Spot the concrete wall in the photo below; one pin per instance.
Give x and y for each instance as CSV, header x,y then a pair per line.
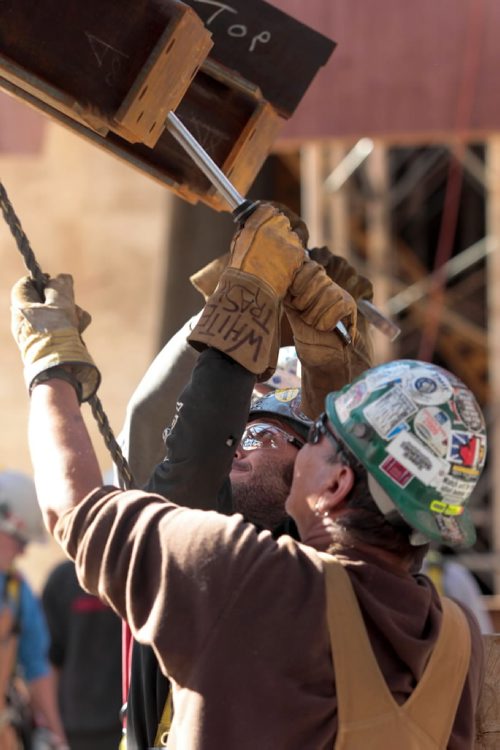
x,y
87,214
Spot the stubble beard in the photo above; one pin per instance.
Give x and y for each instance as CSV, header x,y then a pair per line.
x,y
261,498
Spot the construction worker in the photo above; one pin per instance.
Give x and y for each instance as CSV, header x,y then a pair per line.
x,y
234,615
152,406
202,460
85,651
452,578
24,638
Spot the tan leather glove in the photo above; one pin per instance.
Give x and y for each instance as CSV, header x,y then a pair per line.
x,y
205,280
341,271
48,333
321,302
241,318
327,362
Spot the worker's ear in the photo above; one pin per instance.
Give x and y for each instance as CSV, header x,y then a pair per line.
x,y
340,484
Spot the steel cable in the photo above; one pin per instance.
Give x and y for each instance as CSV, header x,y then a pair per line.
x,y
40,279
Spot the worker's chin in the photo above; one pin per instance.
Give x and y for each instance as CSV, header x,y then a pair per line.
x,y
240,478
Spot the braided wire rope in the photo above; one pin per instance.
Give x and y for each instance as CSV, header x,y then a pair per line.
x,y
40,280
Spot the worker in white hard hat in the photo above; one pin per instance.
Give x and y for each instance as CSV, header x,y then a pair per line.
x,y
23,633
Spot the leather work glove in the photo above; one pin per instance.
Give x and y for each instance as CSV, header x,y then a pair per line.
x,y
241,318
321,302
48,333
328,363
343,273
205,280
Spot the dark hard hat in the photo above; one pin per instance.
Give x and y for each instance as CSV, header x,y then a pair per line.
x,y
284,405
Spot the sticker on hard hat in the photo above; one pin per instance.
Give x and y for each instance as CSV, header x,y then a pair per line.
x,y
414,456
446,509
428,389
350,400
380,378
388,411
433,427
468,410
402,426
448,528
286,395
395,471
467,450
453,488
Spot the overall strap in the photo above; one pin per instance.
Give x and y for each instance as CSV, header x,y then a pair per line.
x,y
435,700
362,692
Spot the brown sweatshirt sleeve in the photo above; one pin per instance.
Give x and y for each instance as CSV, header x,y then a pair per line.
x,y
170,572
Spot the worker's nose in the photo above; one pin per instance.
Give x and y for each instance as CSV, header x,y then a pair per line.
x,y
239,452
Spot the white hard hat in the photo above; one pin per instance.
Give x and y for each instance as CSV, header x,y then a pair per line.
x,y
20,514
287,373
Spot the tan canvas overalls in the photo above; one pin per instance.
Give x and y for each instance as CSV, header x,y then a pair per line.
x,y
369,717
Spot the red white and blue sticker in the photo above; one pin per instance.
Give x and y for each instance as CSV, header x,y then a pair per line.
x,y
433,427
467,452
388,412
350,400
427,387
411,453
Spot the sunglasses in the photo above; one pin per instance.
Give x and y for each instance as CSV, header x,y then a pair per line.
x,y
319,428
265,435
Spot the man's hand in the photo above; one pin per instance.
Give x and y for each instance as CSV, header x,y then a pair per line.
x,y
48,333
345,275
205,280
320,301
327,362
241,318
268,248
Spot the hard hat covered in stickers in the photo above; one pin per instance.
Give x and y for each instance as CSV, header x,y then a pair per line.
x,y
20,515
283,404
420,434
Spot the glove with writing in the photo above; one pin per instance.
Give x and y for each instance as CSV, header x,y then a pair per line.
x,y
48,333
241,317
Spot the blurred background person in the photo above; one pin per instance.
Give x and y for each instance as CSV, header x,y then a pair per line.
x,y
453,579
85,651
28,703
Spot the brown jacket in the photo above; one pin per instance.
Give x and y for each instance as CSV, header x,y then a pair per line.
x,y
238,620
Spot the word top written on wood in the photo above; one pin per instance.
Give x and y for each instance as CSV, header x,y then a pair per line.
x,y
265,46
